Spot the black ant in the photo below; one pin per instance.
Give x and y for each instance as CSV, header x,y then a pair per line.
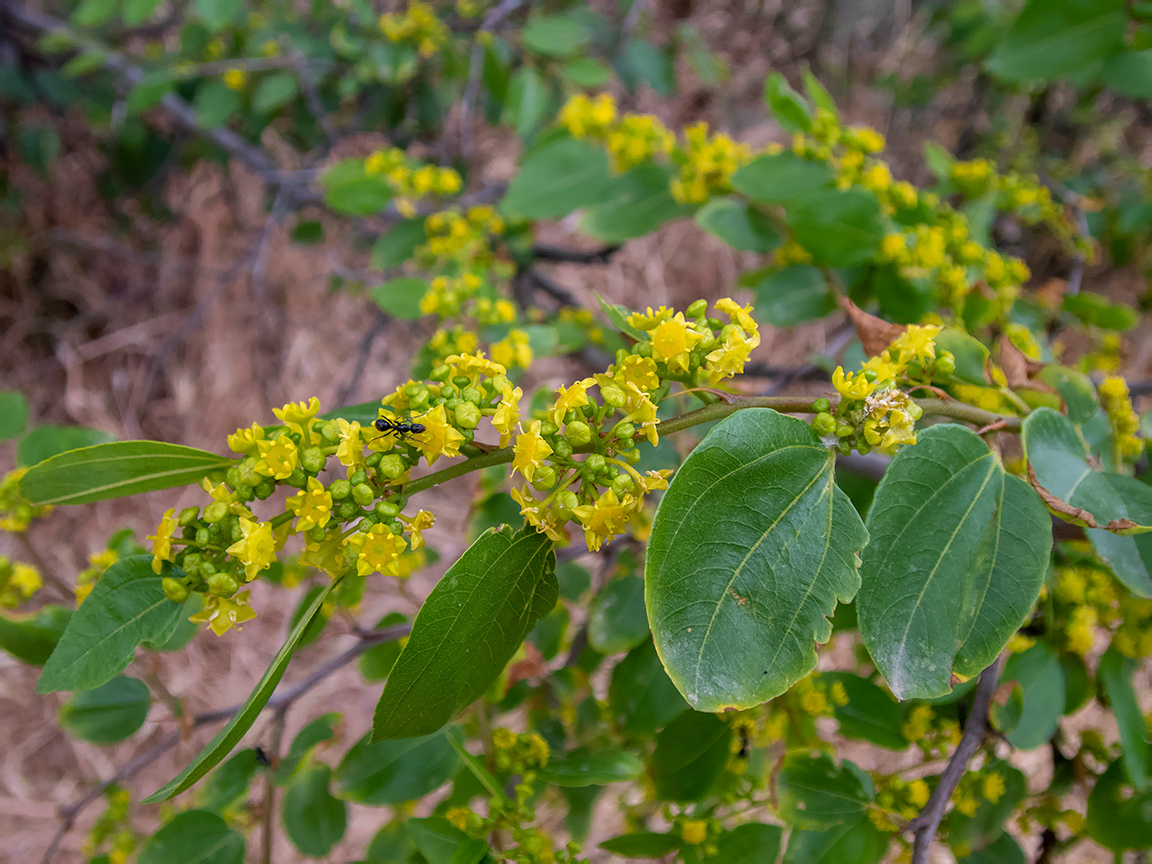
x,y
398,428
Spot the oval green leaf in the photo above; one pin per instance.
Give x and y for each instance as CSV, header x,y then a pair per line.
x,y
841,228
392,772
13,414
116,470
556,179
401,297
616,619
313,820
126,608
739,225
691,753
643,844
32,639
815,793
587,767
241,722
1115,675
641,696
1041,680
752,546
195,837
44,442
109,713
634,204
781,178
958,553
467,630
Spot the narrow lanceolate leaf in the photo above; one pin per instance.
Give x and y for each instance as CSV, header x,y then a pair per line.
x,y
125,609
115,470
1115,674
752,546
230,735
467,631
957,557
1121,505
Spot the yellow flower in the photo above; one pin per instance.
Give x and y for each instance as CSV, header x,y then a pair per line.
x,y
916,343
856,387
350,452
235,78
539,515
224,613
438,439
278,457
297,416
513,350
474,366
531,451
422,521
325,555
729,358
648,320
507,413
885,369
245,440
162,540
639,371
256,549
814,702
569,398
312,506
672,340
993,786
23,581
918,793
738,314
378,550
838,694
694,831
642,412
605,519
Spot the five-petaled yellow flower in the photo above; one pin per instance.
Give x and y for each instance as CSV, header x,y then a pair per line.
x,y
672,340
297,416
855,387
531,451
224,613
438,438
422,521
162,540
278,457
312,506
378,550
729,358
605,519
568,398
507,413
256,549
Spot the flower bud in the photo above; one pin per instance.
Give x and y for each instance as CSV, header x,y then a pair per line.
x,y
625,431
461,381
340,489
467,415
843,430
697,309
945,366
642,349
222,584
174,590
562,448
613,395
297,479
870,376
471,394
824,423
440,373
548,428
215,511
578,433
265,489
202,537
330,430
544,478
362,494
822,406
316,534
631,456
595,463
347,510
358,476
386,509
623,484
187,516
313,460
391,466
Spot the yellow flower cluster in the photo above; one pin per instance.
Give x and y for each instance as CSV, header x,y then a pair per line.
x,y
488,311
1117,403
462,238
933,735
418,27
631,139
513,351
18,582
411,183
897,800
1091,601
235,79
518,753
582,318
16,513
709,161
975,788
453,340
446,295
819,698
588,118
1022,194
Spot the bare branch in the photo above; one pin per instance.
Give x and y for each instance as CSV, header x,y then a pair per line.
x,y
492,21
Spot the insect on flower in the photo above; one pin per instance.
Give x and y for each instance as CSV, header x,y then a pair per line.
x,y
398,428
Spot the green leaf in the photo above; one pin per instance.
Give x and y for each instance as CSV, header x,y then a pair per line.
x,y
858,842
799,292
556,179
1041,680
641,696
44,442
752,545
148,92
1058,38
217,14
970,354
1003,850
1115,676
527,100
13,414
788,106
751,843
617,621
319,731
819,94
587,72
870,713
1058,456
1075,389
815,793
643,844
215,103
117,470
93,13
839,228
390,844
313,820
781,178
618,316
229,783
242,721
966,833
588,767
110,713
32,639
441,842
634,204
349,189
1118,815
1130,73
194,837
401,297
136,12
691,754
392,772
125,609
1095,311
467,630
555,36
274,92
958,553
377,662
739,225
641,62
398,244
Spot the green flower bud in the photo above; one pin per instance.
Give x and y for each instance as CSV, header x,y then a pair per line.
x,y
870,376
625,431
330,430
697,309
249,476
821,406
386,509
173,590
595,463
222,584
313,460
715,324
440,373
235,531
362,494
843,430
244,492
202,537
372,459
316,534
863,447
544,478
945,366
467,415
623,484
566,501
471,394
297,479
414,389
264,490
844,446
631,456
613,395
548,428
642,349
915,370
397,527
187,516
461,381
578,433
232,477
824,423
915,411
347,510
215,511
469,435
340,489
358,476
562,448
391,466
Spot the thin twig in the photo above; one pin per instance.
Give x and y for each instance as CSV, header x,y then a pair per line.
x,y
366,640
348,388
260,259
495,17
269,814
312,97
924,826
66,591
